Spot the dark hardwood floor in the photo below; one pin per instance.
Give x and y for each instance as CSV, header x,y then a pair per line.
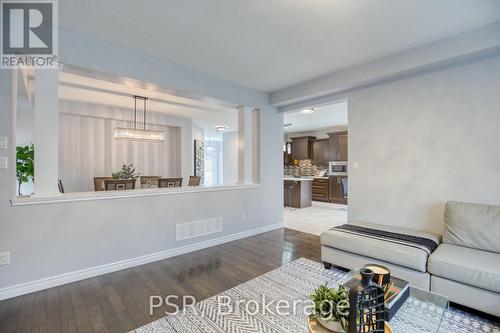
x,y
119,302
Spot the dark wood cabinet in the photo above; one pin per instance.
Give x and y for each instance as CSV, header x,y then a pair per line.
x,y
297,193
338,146
287,153
321,189
320,151
302,147
342,147
337,194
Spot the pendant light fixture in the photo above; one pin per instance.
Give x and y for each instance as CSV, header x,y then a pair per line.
x,y
138,134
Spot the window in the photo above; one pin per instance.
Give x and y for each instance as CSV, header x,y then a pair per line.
x,y
213,162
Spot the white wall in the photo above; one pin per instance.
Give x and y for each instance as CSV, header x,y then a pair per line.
x,y
48,240
230,158
423,141
87,148
24,127
198,133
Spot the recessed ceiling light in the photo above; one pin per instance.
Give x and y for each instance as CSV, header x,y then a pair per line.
x,y
221,128
307,111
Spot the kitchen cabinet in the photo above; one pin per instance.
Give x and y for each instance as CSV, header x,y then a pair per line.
x,y
297,193
338,146
337,194
321,189
302,147
320,151
287,153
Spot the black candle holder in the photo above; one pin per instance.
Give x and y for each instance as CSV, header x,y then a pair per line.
x,y
381,274
366,305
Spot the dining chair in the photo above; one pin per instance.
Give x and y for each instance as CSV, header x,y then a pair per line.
x,y
149,181
170,182
194,181
99,183
119,184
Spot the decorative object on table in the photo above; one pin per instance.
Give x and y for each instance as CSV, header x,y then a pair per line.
x,y
396,291
381,274
395,294
366,305
199,159
137,134
315,327
331,307
169,182
25,167
127,172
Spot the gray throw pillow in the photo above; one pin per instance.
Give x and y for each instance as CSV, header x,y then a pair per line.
x,y
472,225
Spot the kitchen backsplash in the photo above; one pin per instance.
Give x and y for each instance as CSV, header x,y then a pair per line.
x,y
303,169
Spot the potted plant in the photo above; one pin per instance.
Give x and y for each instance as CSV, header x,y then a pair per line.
x,y
25,167
331,307
127,172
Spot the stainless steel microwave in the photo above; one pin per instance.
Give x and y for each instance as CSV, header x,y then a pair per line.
x,y
337,168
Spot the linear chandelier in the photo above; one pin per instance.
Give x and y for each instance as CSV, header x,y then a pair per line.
x,y
137,134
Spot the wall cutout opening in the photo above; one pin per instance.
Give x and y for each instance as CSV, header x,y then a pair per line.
x,y
199,143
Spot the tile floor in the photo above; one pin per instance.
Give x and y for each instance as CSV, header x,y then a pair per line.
x,y
316,219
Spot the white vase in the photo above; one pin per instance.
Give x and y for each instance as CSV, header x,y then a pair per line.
x,y
331,325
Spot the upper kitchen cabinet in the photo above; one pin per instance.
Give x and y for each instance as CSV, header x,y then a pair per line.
x,y
338,146
320,151
287,153
302,147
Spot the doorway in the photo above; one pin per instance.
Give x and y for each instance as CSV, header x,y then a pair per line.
x,y
316,178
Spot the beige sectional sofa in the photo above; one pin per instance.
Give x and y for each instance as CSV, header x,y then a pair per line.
x,y
465,267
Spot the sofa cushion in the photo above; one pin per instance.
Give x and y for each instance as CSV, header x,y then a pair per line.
x,y
399,254
472,225
469,266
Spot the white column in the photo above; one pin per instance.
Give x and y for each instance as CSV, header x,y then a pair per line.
x,y
8,96
187,151
245,145
256,146
46,124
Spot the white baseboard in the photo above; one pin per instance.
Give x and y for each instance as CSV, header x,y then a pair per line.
x,y
57,280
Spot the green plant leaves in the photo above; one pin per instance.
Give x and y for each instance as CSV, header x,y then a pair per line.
x,y
127,172
331,304
25,164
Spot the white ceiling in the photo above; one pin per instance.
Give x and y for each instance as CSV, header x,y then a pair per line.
x,y
323,117
269,45
81,88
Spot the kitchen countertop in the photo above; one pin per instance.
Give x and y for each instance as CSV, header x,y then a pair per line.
x,y
305,178
298,179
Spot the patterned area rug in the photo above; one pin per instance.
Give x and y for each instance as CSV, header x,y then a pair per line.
x,y
296,281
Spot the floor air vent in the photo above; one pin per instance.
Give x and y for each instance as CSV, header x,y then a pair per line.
x,y
198,228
